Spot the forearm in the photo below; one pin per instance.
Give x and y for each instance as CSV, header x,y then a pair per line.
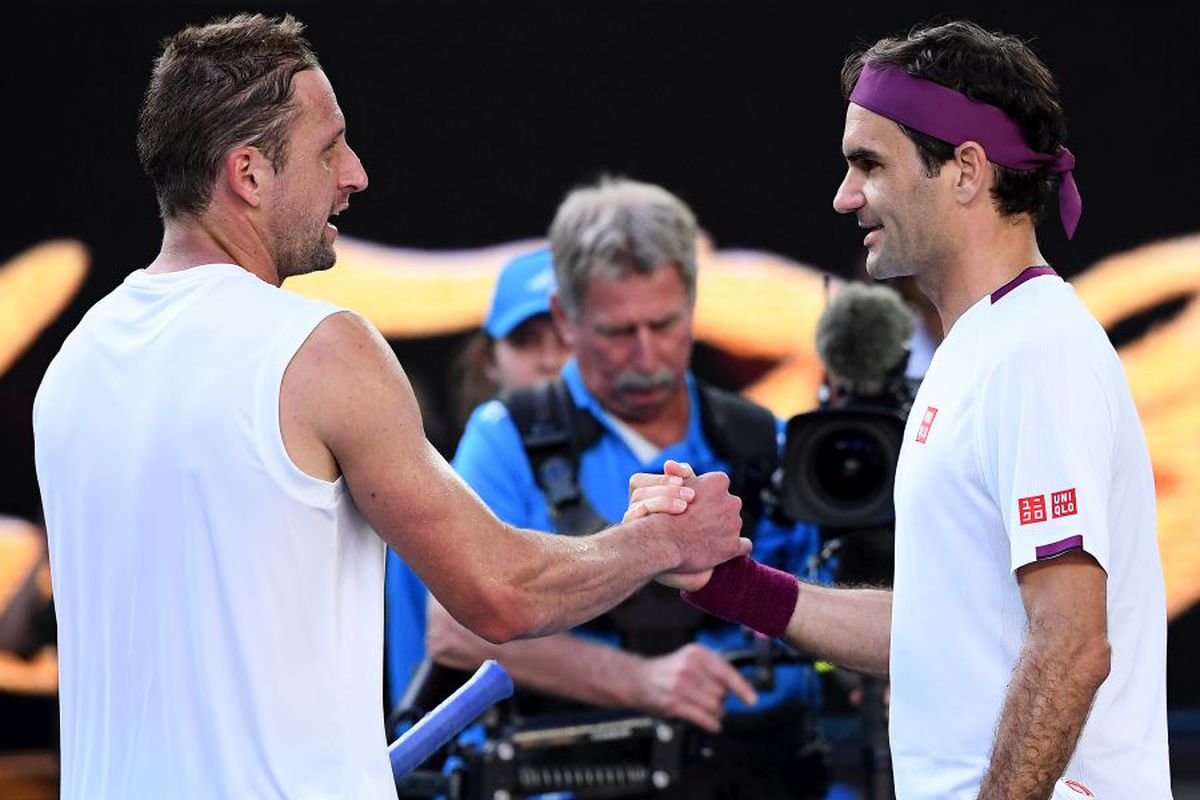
x,y
562,581
1044,711
561,664
848,627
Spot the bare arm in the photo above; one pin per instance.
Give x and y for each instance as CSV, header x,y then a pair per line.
x,y
848,627
691,683
345,399
1063,662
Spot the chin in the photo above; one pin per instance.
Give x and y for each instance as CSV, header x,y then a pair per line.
x,y
882,269
317,261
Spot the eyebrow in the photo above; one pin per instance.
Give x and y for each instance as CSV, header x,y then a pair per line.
x,y
859,154
341,132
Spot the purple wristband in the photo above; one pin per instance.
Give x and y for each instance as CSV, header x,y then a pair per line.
x,y
744,591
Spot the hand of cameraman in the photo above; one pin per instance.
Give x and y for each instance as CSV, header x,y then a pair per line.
x,y
662,493
690,684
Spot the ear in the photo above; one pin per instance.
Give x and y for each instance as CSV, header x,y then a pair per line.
x,y
974,172
562,323
246,173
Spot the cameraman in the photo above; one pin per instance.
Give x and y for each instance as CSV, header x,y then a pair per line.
x,y
624,255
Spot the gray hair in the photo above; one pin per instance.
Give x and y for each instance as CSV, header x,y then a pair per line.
x,y
863,335
619,226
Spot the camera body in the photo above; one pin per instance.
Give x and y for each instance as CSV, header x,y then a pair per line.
x,y
839,466
839,463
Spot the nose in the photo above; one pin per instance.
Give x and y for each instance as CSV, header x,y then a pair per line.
x,y
354,177
849,196
644,357
548,358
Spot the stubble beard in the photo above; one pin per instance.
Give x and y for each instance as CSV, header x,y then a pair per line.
x,y
300,257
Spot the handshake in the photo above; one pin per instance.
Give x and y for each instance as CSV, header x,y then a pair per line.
x,y
706,511
715,573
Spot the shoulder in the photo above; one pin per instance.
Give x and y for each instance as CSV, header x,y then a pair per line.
x,y
1046,334
341,341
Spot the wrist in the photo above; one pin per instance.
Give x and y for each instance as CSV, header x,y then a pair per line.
x,y
743,591
656,547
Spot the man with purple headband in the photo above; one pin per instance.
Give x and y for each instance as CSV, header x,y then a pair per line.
x,y
1025,636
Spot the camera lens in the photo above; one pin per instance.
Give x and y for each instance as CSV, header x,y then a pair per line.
x,y
850,465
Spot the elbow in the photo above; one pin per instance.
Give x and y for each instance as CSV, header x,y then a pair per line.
x,y
450,644
507,614
1095,661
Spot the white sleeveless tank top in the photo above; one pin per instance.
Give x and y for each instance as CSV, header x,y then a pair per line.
x,y
220,611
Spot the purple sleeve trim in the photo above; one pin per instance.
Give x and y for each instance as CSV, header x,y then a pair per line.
x,y
1058,548
748,593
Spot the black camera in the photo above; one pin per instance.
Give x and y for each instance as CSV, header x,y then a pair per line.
x,y
839,465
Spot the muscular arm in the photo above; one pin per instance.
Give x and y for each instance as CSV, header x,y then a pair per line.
x,y
1064,660
346,406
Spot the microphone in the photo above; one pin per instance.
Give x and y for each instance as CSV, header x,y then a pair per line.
x,y
863,338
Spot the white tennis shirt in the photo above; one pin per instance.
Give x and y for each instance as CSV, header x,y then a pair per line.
x,y
1023,443
220,612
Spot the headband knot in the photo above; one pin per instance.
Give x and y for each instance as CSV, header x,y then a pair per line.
x,y
952,117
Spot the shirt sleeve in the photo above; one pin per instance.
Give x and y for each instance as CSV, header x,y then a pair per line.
x,y
1046,445
491,459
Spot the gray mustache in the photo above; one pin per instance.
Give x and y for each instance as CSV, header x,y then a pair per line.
x,y
644,381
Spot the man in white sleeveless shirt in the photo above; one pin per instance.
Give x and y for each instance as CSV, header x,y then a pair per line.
x,y
1025,635
221,463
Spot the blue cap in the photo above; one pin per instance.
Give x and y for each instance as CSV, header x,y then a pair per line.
x,y
522,291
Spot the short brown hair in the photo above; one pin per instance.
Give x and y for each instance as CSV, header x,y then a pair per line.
x,y
991,68
215,87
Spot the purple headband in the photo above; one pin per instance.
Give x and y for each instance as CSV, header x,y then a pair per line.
x,y
945,114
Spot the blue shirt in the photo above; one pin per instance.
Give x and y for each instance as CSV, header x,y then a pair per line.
x,y
404,625
492,460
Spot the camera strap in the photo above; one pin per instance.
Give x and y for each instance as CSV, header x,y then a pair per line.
x,y
555,434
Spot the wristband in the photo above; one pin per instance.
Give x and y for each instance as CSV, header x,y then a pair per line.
x,y
746,592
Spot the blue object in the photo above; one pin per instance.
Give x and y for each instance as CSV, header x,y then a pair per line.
x,y
405,599
492,460
522,290
490,684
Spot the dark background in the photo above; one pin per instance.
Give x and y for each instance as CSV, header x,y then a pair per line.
x,y
474,118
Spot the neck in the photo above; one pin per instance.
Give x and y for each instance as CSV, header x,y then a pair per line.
x,y
987,258
212,238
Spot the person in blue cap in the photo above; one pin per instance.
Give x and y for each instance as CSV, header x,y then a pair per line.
x,y
518,346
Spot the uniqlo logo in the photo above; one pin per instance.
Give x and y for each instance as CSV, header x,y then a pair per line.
x,y
1062,504
1033,509
926,424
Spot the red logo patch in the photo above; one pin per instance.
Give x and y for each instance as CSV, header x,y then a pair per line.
x,y
1033,509
1078,788
926,424
1062,504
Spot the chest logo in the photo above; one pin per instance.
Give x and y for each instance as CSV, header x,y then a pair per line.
x,y
1032,509
1062,504
926,424
1078,788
